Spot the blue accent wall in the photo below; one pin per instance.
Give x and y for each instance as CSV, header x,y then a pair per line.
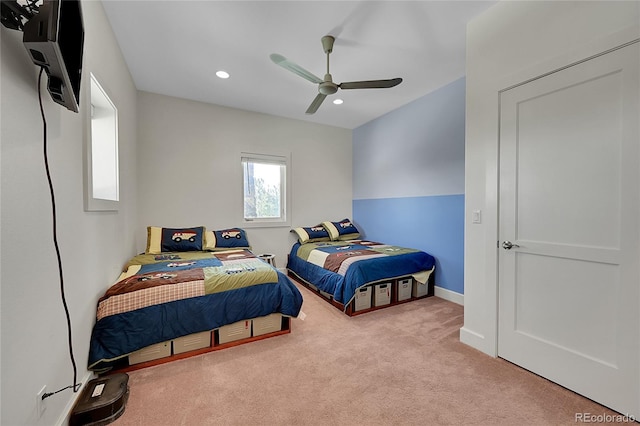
x,y
408,179
432,224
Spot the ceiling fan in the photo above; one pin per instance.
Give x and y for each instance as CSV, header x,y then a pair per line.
x,y
327,86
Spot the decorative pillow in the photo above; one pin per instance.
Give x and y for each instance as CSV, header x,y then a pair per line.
x,y
174,239
343,230
234,238
312,234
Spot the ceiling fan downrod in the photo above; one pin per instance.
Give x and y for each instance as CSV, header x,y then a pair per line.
x,y
327,87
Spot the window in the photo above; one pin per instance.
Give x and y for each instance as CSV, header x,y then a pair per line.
x,y
264,188
102,181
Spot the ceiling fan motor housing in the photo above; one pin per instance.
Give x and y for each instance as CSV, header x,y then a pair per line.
x,y
327,87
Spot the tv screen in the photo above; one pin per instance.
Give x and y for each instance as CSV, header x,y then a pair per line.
x,y
54,38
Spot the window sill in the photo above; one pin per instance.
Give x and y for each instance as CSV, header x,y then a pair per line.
x,y
263,224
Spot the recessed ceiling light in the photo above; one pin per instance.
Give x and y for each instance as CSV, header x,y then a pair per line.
x,y
338,101
222,74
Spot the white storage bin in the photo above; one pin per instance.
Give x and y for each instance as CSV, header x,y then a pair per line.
x,y
419,289
268,324
382,294
325,294
159,350
192,342
404,288
362,299
236,331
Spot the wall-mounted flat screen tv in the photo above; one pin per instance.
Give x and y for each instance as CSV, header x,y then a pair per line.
x,y
54,38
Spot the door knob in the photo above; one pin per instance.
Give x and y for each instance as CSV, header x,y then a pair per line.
x,y
508,245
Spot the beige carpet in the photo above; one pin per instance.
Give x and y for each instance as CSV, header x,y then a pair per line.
x,y
399,366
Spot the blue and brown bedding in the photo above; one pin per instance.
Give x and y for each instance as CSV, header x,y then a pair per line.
x,y
341,267
168,295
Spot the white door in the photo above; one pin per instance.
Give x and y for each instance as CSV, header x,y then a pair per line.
x,y
569,205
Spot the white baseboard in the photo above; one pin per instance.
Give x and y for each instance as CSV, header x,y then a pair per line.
x,y
449,295
477,341
64,417
470,337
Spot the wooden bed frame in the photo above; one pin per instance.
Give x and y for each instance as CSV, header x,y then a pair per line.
x,y
350,309
122,365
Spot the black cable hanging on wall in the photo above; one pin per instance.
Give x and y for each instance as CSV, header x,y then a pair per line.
x,y
75,385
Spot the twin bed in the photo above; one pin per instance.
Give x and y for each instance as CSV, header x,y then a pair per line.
x,y
195,291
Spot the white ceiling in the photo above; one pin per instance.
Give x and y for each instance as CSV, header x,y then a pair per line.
x,y
175,47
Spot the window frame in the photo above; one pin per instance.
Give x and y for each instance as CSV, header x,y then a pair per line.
x,y
95,93
283,160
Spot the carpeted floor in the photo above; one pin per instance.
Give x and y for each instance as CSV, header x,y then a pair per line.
x,y
403,365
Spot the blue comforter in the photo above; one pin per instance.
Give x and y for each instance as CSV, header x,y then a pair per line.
x,y
341,267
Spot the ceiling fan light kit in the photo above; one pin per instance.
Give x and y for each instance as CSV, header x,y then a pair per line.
x,y
326,86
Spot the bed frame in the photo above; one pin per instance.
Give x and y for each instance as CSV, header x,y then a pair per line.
x,y
123,364
350,309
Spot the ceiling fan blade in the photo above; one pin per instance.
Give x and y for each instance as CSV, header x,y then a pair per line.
x,y
371,84
315,104
294,68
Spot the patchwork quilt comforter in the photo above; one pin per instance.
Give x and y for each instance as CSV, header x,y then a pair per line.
x,y
341,267
162,297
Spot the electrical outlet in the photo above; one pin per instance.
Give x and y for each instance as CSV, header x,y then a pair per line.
x,y
40,403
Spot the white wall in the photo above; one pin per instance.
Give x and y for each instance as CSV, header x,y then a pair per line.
x,y
94,246
190,174
511,43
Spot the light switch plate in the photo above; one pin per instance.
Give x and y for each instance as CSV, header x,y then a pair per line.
x,y
476,216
